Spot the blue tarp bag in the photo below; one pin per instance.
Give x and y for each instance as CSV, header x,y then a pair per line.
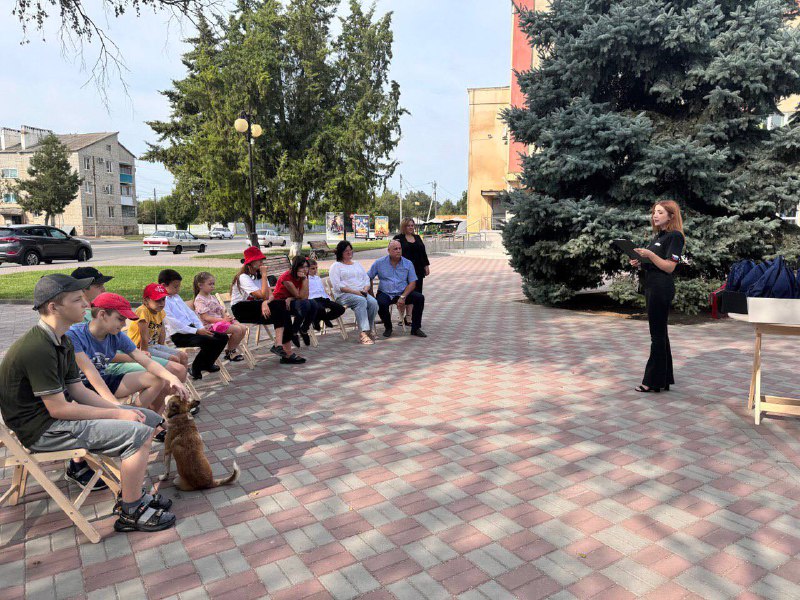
x,y
738,271
778,281
752,276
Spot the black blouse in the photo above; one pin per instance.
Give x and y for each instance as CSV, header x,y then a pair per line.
x,y
667,245
415,252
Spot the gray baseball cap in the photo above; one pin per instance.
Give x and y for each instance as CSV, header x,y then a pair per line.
x,y
50,286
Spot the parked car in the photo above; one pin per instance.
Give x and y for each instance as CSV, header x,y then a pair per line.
x,y
220,233
172,241
34,244
269,238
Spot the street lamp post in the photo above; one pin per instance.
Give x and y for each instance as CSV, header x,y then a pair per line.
x,y
244,124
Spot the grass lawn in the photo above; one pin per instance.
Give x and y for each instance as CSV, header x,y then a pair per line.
x,y
128,281
357,247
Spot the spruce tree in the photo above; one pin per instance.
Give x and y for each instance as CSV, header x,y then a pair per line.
x,y
635,101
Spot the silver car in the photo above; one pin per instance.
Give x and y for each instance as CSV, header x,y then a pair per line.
x,y
269,238
220,233
172,241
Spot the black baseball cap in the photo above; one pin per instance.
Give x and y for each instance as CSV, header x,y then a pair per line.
x,y
90,273
50,286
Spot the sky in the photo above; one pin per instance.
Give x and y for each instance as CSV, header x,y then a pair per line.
x,y
442,47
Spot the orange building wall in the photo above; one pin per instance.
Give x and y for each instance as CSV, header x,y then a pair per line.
x,y
521,60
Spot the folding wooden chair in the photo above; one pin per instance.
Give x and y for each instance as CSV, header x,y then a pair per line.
x,y
328,287
25,463
224,300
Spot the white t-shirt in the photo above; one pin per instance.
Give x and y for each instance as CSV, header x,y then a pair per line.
x,y
246,285
350,276
315,287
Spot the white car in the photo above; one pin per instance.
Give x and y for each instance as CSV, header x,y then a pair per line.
x,y
172,241
220,233
269,238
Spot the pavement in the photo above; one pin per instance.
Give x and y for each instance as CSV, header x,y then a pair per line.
x,y
505,456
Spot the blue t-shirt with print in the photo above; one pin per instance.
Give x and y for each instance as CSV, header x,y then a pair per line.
x,y
101,352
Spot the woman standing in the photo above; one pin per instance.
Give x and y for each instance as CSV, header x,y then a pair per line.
x,y
663,255
351,288
414,250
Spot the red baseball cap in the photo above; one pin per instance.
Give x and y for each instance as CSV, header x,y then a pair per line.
x,y
155,291
115,302
251,254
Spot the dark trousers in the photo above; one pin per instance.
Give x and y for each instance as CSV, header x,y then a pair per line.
x,y
327,310
249,311
385,301
211,346
659,291
304,312
419,284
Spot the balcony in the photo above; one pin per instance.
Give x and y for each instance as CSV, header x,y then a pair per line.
x,y
125,178
128,201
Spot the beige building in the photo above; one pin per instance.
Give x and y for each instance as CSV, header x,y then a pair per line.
x,y
106,202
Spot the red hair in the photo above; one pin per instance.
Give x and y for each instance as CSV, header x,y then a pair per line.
x,y
674,211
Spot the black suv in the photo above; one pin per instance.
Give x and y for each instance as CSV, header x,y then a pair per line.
x,y
34,244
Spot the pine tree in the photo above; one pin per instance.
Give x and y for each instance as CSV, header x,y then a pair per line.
x,y
635,101
52,184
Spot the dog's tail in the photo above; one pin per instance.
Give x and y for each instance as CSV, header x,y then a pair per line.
x,y
232,478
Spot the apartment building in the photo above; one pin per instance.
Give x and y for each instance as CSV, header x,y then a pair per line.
x,y
106,202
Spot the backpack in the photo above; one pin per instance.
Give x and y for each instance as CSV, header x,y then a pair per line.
x,y
778,281
752,276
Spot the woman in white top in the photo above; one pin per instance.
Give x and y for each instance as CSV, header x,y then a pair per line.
x,y
252,302
327,310
351,288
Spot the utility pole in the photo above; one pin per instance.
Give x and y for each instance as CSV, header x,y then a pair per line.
x,y
94,185
155,211
401,200
433,203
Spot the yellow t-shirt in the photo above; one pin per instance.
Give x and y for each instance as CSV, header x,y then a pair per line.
x,y
154,324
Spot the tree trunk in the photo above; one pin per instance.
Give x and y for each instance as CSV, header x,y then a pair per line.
x,y
248,225
297,221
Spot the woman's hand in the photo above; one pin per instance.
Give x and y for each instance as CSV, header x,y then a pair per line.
x,y
427,270
265,309
644,253
635,263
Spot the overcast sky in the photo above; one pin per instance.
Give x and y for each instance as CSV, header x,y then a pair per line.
x,y
441,48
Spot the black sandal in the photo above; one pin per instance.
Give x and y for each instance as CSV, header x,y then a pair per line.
x,y
645,390
144,518
233,356
292,360
157,501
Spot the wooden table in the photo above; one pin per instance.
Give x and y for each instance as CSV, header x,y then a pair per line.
x,y
755,400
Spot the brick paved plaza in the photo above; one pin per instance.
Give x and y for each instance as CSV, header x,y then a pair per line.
x,y
505,456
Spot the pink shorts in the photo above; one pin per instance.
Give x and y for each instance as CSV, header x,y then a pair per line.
x,y
220,327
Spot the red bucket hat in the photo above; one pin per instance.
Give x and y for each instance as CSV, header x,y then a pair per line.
x,y
115,302
252,254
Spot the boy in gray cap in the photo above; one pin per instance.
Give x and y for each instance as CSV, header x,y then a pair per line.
x,y
36,375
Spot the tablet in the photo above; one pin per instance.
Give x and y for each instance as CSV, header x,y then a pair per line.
x,y
627,247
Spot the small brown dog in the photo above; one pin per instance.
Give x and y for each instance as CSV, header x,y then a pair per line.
x,y
185,444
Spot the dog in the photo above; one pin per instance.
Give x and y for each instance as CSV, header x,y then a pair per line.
x,y
184,443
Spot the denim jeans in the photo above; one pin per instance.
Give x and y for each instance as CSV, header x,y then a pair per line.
x,y
304,312
366,309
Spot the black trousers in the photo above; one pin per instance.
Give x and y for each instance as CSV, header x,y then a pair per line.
x,y
249,311
211,346
385,301
304,312
659,290
419,283
327,310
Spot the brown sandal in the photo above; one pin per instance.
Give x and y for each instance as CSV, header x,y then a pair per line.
x,y
366,340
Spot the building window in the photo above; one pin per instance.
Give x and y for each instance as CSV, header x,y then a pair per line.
x,y
128,211
108,166
90,211
108,147
111,211
9,198
87,187
108,189
9,173
87,162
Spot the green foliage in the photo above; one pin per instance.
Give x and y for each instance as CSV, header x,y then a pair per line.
x,y
691,295
52,184
180,208
448,207
640,100
329,114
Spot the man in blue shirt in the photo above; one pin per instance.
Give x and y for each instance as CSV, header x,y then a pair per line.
x,y
396,286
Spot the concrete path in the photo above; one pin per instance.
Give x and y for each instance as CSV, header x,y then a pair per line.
x,y
504,456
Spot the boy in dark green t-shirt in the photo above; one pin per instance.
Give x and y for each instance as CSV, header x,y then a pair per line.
x,y
36,374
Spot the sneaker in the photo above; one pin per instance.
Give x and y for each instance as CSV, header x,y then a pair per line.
x,y
81,473
212,368
194,407
419,333
387,333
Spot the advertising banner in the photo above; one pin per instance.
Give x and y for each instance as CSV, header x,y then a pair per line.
x,y
381,227
361,226
334,226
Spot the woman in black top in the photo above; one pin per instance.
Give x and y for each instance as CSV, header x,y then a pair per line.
x,y
414,250
657,271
